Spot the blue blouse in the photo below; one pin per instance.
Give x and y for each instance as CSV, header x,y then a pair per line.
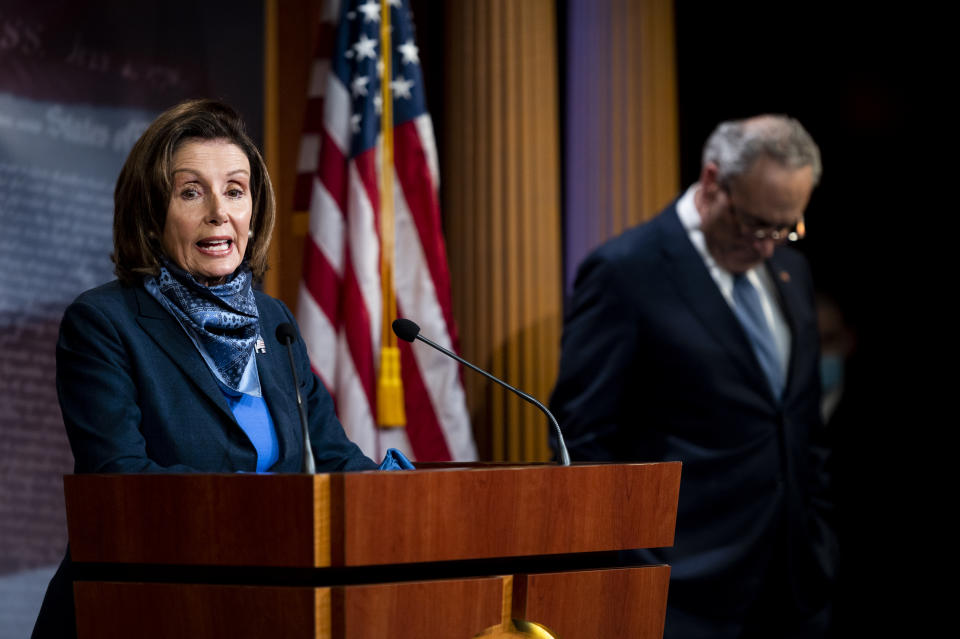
x,y
252,414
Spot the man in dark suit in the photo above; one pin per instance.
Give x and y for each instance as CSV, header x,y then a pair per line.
x,y
693,337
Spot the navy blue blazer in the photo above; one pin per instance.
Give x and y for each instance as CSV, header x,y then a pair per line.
x,y
136,395
655,366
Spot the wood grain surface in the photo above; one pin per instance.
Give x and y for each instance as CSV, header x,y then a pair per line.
x,y
457,609
417,610
443,515
110,610
595,604
197,519
373,518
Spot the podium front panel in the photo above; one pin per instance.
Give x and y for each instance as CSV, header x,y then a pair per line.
x,y
414,610
118,610
370,518
438,515
587,604
441,552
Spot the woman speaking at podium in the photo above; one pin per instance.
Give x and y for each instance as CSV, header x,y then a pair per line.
x,y
176,366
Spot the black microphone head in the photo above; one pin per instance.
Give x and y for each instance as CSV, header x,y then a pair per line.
x,y
286,334
405,329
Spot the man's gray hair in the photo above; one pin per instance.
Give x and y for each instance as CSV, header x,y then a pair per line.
x,y
735,145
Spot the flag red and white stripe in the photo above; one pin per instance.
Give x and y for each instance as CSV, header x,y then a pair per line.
x,y
340,307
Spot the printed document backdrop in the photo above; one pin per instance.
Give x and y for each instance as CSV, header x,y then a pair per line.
x,y
78,84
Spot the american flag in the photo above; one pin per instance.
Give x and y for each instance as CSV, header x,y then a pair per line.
x,y
340,306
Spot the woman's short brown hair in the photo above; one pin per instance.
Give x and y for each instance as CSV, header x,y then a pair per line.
x,y
144,187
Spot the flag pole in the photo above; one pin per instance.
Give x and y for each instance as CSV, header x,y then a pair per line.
x,y
390,408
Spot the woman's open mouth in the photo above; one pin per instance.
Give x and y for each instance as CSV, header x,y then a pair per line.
x,y
215,247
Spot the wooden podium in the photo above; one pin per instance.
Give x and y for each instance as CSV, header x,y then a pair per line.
x,y
446,552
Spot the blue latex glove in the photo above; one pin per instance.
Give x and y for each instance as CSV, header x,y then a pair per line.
x,y
395,460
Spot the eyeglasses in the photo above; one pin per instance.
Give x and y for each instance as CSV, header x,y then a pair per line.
x,y
758,228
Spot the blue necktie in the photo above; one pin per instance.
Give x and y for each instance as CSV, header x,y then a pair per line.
x,y
747,307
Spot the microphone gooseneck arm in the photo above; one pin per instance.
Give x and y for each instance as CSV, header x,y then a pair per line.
x,y
407,330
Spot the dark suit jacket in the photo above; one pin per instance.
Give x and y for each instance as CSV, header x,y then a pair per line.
x,y
655,366
137,397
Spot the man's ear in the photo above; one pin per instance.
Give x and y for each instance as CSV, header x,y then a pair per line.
x,y
710,175
710,180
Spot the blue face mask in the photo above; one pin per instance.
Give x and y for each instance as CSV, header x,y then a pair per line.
x,y
831,371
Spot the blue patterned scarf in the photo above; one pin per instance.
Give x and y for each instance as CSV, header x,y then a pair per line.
x,y
222,318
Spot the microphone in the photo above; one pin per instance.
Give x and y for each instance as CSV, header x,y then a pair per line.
x,y
409,331
286,335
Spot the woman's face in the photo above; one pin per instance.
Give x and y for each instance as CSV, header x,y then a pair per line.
x,y
208,219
